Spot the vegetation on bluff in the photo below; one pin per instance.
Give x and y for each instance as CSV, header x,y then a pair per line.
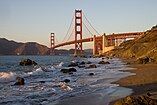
x,y
143,49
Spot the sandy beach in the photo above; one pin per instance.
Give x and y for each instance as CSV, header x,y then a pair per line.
x,y
143,82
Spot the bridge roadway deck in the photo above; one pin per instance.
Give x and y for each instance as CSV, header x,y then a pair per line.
x,y
110,36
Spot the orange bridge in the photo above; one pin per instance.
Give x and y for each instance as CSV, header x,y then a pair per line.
x,y
99,42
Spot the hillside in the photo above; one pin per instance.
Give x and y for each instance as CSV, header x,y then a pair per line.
x,y
142,49
8,47
14,48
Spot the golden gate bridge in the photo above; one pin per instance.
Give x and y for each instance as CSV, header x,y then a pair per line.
x,y
101,43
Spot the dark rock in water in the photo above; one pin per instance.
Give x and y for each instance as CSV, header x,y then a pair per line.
x,y
66,80
73,64
27,62
20,81
82,63
68,70
103,58
136,100
103,62
90,74
91,66
72,70
65,70
42,81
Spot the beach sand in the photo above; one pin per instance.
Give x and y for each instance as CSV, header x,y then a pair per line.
x,y
143,82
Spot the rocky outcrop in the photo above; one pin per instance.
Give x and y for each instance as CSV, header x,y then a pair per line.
x,y
20,81
91,74
103,62
73,64
136,100
70,70
144,60
27,62
91,66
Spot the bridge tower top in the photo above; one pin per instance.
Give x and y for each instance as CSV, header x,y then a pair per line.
x,y
78,32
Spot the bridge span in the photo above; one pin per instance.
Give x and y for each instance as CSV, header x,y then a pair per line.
x,y
110,40
100,43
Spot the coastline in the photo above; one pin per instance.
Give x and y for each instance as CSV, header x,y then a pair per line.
x,y
145,80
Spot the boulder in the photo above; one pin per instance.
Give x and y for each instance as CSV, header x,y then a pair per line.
x,y
27,62
66,80
145,60
73,64
103,62
91,66
20,81
65,70
70,70
136,100
90,74
82,63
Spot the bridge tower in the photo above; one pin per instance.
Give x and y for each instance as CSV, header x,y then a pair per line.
x,y
52,42
78,33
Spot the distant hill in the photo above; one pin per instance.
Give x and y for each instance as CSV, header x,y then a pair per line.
x,y
71,52
143,48
14,48
8,47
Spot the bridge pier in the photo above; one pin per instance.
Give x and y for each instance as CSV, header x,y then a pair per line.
x,y
94,45
104,42
78,33
52,42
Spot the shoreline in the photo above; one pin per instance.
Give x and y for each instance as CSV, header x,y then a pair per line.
x,y
145,80
97,98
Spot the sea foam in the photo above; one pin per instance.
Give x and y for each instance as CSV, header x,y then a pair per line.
x,y
7,77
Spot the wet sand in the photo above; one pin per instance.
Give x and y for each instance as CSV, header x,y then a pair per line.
x,y
143,82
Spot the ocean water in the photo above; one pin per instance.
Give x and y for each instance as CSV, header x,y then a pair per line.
x,y
43,82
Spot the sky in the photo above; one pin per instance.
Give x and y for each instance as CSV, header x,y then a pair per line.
x,y
34,20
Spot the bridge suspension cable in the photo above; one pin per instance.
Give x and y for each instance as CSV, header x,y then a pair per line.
x,y
68,29
90,24
56,40
87,29
70,34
